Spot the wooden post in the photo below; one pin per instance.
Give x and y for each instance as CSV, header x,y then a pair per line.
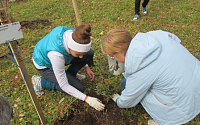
x,y
76,12
18,59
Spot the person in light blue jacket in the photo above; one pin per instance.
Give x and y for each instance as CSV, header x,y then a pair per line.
x,y
160,73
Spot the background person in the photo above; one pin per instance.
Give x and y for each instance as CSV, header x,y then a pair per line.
x,y
160,73
61,47
137,8
6,111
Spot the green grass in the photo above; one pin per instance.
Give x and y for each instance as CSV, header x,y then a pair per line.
x,y
180,17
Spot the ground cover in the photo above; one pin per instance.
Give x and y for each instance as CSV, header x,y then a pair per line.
x,y
39,17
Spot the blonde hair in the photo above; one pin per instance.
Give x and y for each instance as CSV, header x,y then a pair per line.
x,y
116,40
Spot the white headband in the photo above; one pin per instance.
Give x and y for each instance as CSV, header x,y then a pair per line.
x,y
76,46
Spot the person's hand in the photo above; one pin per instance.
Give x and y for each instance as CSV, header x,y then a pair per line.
x,y
95,103
115,97
90,73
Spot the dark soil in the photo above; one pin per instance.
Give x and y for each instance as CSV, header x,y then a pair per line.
x,y
34,24
110,116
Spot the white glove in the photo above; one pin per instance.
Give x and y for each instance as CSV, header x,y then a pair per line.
x,y
95,103
115,97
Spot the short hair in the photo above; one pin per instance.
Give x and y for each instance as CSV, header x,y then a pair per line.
x,y
6,111
116,40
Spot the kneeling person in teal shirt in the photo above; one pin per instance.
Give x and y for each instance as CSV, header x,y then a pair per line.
x,y
61,47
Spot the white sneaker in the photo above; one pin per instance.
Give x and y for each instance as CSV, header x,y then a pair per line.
x,y
136,17
36,81
144,9
152,122
80,76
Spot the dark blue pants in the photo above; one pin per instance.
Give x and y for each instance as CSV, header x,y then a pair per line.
x,y
137,5
123,84
49,80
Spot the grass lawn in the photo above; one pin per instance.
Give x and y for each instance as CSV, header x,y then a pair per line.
x,y
181,17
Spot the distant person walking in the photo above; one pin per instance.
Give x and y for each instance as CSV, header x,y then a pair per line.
x,y
137,8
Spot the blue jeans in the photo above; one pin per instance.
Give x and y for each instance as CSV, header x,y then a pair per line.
x,y
123,84
49,80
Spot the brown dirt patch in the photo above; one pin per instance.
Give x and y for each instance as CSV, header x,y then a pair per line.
x,y
34,24
110,116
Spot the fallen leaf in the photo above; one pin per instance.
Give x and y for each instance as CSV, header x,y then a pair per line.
x,y
106,80
17,100
101,33
15,105
21,115
61,100
20,119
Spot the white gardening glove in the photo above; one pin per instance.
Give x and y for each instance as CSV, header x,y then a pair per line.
x,y
95,103
115,97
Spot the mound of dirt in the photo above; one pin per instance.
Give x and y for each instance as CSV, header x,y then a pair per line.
x,y
110,116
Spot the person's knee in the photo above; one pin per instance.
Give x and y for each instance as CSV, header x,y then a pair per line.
x,y
73,81
90,58
81,88
6,111
78,86
90,53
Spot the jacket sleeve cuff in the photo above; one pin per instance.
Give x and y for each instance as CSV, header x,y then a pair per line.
x,y
116,100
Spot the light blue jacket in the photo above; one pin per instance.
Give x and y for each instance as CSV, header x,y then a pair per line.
x,y
164,76
51,42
